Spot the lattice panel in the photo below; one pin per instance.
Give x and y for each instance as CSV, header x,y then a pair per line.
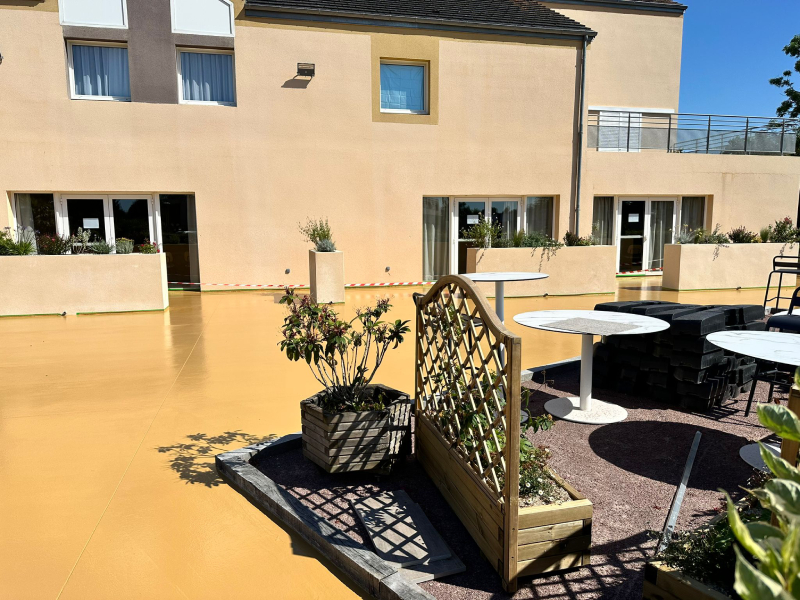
x,y
462,377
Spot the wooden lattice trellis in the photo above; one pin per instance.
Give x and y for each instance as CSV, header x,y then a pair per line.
x,y
468,401
468,388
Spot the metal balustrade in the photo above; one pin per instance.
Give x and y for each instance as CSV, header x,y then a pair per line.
x,y
622,131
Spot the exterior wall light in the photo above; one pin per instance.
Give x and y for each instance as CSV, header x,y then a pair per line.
x,y
387,269
1,59
306,69
287,271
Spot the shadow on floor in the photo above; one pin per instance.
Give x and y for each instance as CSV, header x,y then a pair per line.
x,y
658,450
193,461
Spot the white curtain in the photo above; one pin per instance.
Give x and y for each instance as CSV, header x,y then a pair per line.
x,y
101,71
603,220
403,87
692,209
661,213
504,213
207,77
435,238
539,214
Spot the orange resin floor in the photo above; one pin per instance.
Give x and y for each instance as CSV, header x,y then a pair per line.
x,y
109,425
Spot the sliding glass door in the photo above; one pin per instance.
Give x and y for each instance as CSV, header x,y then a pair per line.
x,y
107,217
645,226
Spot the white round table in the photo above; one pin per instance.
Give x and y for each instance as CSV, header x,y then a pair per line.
x,y
770,346
588,323
499,279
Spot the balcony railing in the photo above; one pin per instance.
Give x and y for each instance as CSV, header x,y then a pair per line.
x,y
618,131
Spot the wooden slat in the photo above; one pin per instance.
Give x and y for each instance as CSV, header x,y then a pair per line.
x,y
558,531
361,434
570,545
491,547
551,563
652,592
362,456
348,426
536,516
458,472
511,491
681,585
573,493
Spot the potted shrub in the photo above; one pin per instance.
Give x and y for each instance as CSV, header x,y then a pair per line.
x,y
352,424
325,263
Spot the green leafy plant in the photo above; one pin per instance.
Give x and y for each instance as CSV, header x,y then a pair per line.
x,y
775,549
124,246
52,245
570,239
703,236
783,231
81,241
23,245
686,235
148,247
764,234
742,235
343,355
100,246
318,232
484,234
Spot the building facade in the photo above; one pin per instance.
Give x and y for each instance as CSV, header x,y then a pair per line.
x,y
214,127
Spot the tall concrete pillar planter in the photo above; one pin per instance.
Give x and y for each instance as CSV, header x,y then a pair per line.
x,y
327,276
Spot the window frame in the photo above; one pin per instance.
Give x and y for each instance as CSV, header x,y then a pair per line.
x,y
524,214
192,50
70,60
63,21
425,87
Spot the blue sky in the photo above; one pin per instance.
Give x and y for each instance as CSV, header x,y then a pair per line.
x,y
731,48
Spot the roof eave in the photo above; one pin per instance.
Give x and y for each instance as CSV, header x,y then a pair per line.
x,y
419,22
631,4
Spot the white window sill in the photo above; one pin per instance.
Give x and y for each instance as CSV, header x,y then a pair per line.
x,y
401,111
103,98
207,103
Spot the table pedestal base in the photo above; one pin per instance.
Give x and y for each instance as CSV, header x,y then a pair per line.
x,y
751,454
600,413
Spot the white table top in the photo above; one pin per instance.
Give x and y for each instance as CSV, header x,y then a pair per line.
x,y
506,276
772,346
541,318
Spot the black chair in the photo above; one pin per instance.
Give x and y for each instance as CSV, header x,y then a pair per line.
x,y
781,265
775,374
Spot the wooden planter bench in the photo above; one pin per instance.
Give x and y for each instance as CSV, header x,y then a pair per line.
x,y
665,583
458,333
356,441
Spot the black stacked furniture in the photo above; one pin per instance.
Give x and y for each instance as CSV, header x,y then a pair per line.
x,y
678,366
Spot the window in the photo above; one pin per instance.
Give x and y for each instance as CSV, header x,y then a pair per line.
x,y
203,17
435,237
504,214
693,210
539,214
93,13
99,72
206,77
404,87
603,220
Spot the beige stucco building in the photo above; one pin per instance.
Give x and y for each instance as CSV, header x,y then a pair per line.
x,y
214,142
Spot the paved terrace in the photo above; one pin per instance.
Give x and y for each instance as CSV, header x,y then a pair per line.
x,y
109,425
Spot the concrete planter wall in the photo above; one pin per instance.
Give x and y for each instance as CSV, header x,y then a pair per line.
x,y
327,276
40,285
573,269
709,267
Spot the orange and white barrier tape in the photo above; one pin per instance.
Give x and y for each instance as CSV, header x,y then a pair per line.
x,y
302,285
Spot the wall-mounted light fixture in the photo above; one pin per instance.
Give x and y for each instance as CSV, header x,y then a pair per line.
x,y
387,269
306,69
1,59
287,271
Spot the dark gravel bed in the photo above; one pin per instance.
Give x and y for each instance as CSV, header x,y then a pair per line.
x,y
629,471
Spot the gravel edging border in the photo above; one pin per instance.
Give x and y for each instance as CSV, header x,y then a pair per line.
x,y
364,567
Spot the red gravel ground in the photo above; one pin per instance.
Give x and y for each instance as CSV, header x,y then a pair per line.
x,y
629,470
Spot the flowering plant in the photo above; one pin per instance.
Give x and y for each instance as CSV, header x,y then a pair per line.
x,y
342,355
148,247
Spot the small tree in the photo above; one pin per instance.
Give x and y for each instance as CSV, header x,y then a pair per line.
x,y
342,355
791,106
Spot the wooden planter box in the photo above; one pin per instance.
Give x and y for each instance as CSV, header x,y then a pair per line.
x,y
326,270
573,270
664,583
357,441
550,538
712,267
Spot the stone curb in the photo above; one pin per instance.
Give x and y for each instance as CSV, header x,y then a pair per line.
x,y
363,566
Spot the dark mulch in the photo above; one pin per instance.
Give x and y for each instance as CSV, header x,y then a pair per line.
x,y
629,471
